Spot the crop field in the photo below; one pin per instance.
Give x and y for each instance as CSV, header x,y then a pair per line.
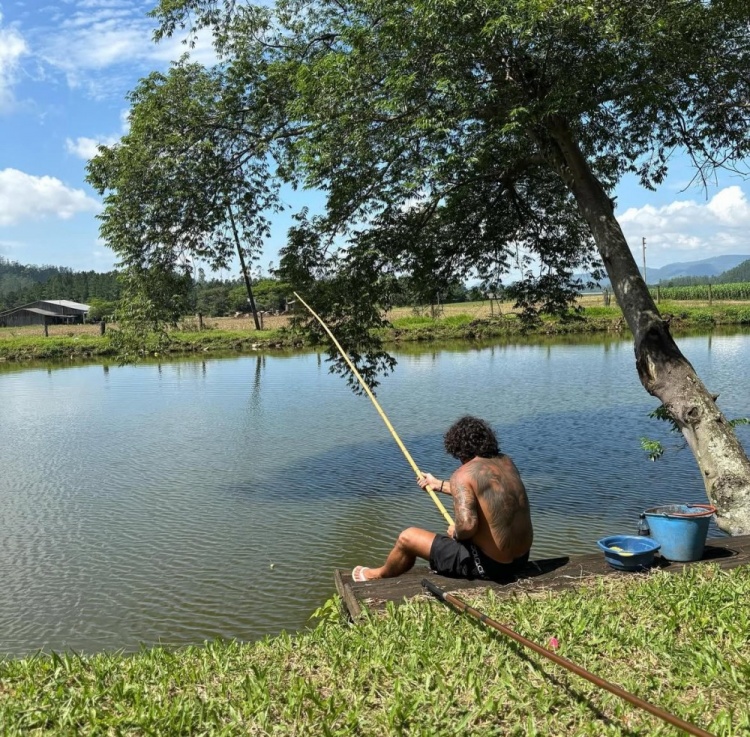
x,y
723,292
479,310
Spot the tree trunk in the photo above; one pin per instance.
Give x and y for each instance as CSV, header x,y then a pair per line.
x,y
663,370
250,297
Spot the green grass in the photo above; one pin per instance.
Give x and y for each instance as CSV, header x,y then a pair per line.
x,y
82,346
601,311
679,641
716,314
34,347
416,321
223,338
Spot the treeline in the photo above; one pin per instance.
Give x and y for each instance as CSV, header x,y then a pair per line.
x,y
20,284
216,298
737,275
221,297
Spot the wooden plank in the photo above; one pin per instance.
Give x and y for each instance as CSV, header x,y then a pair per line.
x,y
547,574
347,595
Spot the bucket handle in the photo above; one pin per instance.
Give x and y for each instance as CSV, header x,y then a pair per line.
x,y
705,510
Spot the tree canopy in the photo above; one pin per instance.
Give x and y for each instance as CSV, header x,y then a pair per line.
x,y
451,140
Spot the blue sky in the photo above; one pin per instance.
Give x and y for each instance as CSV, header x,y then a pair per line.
x,y
65,68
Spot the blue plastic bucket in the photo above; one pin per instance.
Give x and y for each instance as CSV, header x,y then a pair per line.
x,y
680,529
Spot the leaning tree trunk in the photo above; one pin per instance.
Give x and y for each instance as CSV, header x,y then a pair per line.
x,y
662,368
249,288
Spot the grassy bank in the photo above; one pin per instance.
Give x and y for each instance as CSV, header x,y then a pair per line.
x,y
679,641
469,321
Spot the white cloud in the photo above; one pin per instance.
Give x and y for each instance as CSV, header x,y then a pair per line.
x,y
12,48
101,36
730,207
690,230
7,247
26,197
86,148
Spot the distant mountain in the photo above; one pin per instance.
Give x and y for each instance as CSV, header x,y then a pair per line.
x,y
705,267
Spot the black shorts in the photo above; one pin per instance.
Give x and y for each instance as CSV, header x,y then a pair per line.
x,y
462,559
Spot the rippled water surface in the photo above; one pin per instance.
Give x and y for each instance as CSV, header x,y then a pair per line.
x,y
195,499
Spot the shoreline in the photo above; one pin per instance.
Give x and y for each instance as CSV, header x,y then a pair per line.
x,y
404,330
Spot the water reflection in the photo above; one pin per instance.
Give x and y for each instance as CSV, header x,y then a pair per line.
x,y
182,500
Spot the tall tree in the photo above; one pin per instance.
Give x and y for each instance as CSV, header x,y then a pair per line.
x,y
453,139
179,187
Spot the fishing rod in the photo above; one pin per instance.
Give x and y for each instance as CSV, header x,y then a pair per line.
x,y
462,606
406,453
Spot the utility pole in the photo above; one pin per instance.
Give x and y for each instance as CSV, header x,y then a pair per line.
x,y
643,243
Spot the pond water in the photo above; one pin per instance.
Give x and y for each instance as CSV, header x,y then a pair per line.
x,y
178,502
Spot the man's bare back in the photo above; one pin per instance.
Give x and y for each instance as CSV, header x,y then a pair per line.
x,y
492,533
489,492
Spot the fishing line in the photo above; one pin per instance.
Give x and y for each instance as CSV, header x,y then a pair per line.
x,y
406,453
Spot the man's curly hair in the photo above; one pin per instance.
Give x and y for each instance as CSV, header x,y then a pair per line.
x,y
469,437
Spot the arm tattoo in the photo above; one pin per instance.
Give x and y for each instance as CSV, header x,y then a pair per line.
x,y
465,508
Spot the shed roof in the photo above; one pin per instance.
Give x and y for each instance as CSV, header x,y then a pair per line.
x,y
68,303
35,310
60,302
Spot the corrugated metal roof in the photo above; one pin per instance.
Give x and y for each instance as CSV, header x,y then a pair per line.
x,y
15,309
35,310
67,303
61,302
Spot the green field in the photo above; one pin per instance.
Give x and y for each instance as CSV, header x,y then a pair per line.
x,y
722,292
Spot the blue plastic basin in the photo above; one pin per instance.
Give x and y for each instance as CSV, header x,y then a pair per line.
x,y
632,553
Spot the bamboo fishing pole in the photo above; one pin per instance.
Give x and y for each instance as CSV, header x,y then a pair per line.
x,y
406,453
462,606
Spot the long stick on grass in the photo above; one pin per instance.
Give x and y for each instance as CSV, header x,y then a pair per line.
x,y
406,453
462,606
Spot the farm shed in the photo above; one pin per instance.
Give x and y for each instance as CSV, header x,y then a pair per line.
x,y
44,312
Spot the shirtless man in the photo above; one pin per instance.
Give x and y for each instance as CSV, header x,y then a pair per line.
x,y
492,534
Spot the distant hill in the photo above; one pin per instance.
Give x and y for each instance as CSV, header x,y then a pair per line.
x,y
705,267
739,273
20,284
715,267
